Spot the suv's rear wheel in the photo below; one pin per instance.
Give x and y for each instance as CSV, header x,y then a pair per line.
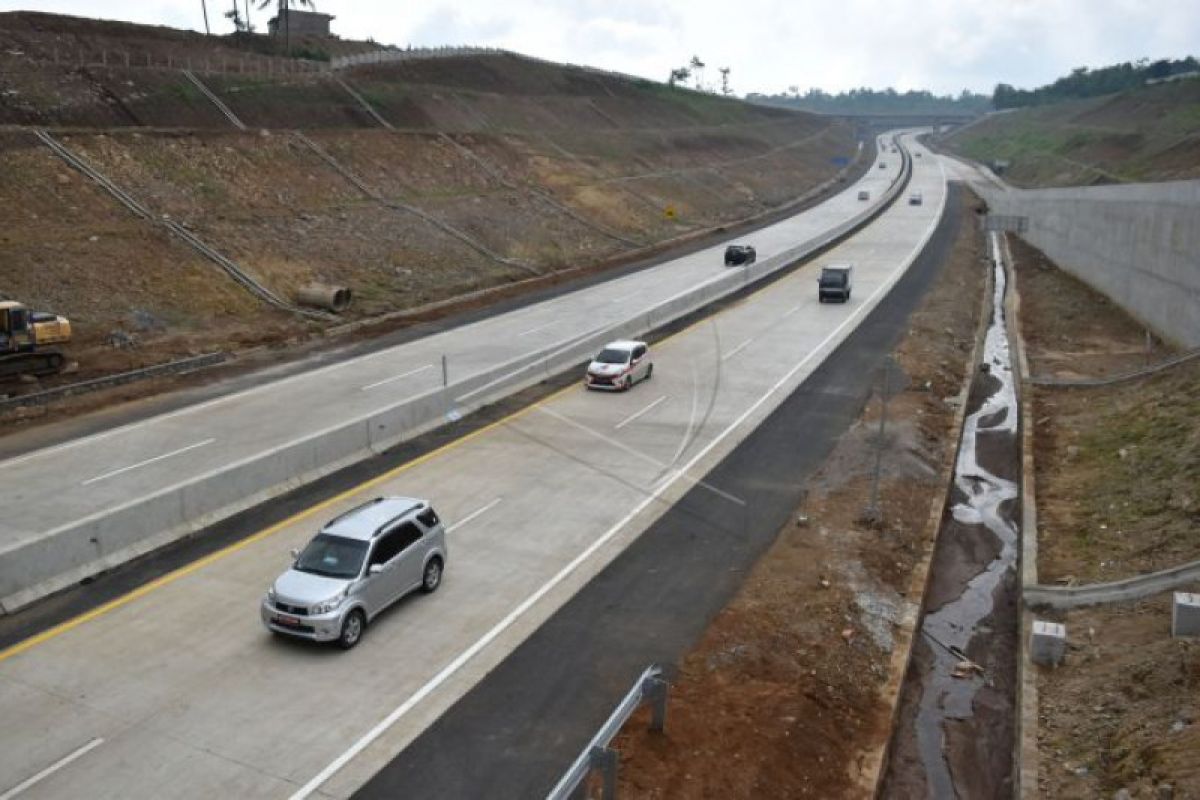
x,y
352,629
432,578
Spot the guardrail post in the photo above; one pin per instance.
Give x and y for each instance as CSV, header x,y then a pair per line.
x,y
605,760
655,690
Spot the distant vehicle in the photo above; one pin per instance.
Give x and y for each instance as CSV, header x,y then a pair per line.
x,y
864,195
917,154
834,282
360,563
740,254
619,366
883,165
915,199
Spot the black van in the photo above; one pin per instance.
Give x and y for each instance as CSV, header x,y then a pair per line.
x,y
834,283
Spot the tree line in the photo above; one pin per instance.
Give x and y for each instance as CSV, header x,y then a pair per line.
x,y
876,101
1084,82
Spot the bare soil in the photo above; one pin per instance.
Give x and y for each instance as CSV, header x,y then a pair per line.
x,y
781,697
559,169
1123,710
1117,471
1118,467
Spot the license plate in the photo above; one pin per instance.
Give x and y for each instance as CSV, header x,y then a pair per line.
x,y
283,620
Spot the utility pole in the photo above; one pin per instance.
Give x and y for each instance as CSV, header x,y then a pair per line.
x,y
204,8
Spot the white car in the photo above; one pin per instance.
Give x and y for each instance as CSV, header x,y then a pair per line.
x,y
619,366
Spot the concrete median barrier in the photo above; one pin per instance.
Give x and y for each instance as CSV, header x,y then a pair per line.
x,y
51,561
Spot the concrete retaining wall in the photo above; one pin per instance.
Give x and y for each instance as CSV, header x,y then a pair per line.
x,y
1139,244
59,558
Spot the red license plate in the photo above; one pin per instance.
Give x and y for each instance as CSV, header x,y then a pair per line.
x,y
290,621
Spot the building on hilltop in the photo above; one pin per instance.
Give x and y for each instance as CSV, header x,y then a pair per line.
x,y
291,22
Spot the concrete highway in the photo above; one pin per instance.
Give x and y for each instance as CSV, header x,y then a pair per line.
x,y
58,488
176,690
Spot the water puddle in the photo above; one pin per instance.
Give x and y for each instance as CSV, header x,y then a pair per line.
x,y
946,697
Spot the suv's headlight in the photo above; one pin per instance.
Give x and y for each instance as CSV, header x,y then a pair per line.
x,y
271,593
329,605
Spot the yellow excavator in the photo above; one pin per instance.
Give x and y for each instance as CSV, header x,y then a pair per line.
x,y
28,340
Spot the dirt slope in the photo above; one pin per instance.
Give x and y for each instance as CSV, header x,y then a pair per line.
x,y
1146,134
499,168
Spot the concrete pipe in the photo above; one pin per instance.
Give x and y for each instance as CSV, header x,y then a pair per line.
x,y
330,298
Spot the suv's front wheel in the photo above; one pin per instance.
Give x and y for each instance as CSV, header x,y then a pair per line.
x,y
352,629
432,578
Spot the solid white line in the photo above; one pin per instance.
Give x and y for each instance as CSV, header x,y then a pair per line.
x,y
50,770
397,377
632,417
737,349
115,472
477,512
500,627
538,328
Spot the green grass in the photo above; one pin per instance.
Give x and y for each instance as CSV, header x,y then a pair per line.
x,y
1119,136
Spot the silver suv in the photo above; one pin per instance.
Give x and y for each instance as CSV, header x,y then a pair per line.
x,y
360,563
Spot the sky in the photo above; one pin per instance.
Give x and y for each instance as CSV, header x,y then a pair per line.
x,y
768,45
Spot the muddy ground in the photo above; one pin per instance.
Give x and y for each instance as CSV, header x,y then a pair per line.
x,y
1123,710
1118,467
954,732
781,697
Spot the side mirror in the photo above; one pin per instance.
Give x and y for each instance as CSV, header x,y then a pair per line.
x,y
295,551
375,569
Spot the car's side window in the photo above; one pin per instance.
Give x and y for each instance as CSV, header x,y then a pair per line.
x,y
408,535
387,548
428,518
638,352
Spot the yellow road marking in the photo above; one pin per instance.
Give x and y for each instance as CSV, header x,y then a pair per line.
x,y
216,555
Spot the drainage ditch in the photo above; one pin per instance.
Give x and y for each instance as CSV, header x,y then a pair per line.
x,y
955,730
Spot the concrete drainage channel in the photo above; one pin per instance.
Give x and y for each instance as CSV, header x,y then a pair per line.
x,y
956,725
64,556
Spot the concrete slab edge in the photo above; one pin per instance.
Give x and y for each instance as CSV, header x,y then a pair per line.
x,y
182,510
1025,749
875,761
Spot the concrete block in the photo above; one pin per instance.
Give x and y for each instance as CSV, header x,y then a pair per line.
x,y
1185,614
1048,643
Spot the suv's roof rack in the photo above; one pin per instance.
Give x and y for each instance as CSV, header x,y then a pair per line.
x,y
351,512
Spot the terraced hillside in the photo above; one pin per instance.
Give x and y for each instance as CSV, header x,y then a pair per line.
x,y
1147,134
411,182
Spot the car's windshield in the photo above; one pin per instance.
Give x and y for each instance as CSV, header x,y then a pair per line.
x,y
332,556
610,356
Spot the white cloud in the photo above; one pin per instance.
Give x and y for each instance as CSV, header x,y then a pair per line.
x,y
943,45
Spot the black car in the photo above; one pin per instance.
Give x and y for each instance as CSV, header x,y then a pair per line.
x,y
739,255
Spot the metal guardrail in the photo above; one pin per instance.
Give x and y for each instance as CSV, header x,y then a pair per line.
x,y
1006,223
83,387
650,687
1182,358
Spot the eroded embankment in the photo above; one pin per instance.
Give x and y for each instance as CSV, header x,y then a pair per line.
x,y
955,730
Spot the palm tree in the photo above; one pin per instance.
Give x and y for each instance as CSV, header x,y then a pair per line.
x,y
283,16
